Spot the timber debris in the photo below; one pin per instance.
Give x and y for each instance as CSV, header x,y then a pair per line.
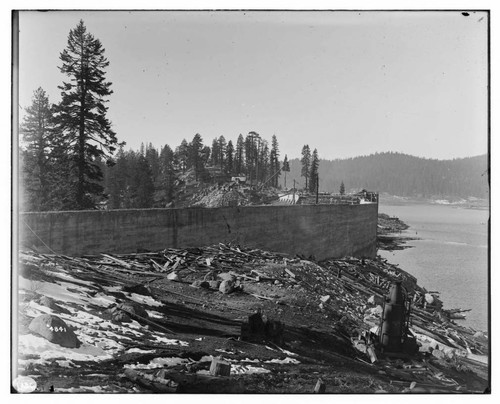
x,y
275,314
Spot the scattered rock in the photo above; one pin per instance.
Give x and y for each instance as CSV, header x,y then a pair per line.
x,y
325,299
54,330
226,287
173,276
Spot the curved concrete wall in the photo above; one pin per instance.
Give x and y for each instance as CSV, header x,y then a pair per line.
x,y
324,231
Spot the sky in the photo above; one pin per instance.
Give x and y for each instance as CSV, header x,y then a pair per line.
x,y
346,83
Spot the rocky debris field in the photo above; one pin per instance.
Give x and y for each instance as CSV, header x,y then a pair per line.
x,y
229,319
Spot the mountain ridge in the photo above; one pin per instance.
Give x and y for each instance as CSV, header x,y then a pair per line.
x,y
401,174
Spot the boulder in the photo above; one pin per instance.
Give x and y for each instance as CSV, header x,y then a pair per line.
x,y
55,330
226,287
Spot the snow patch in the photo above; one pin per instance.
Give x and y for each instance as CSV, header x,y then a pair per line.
x,y
155,314
138,350
159,363
169,341
285,361
247,370
82,389
30,344
148,300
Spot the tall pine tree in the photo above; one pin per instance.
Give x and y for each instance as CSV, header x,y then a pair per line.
x,y
274,161
229,158
167,176
313,175
286,167
36,130
81,115
239,155
306,164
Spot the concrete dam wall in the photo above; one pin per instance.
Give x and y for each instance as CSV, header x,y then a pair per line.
x,y
325,231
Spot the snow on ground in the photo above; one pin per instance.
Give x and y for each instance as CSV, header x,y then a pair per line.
x,y
83,389
155,314
148,300
66,292
168,341
101,338
112,288
160,363
68,277
239,369
53,290
90,329
247,370
138,350
442,347
30,344
285,361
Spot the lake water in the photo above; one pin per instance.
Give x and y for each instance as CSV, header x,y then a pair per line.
x,y
451,255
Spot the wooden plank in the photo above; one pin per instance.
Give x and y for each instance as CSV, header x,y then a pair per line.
x,y
117,260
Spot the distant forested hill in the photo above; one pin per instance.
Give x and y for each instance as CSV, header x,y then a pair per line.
x,y
402,175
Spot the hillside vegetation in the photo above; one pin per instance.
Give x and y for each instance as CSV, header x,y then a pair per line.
x,y
402,174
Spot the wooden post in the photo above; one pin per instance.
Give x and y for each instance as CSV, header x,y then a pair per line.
x,y
219,367
320,387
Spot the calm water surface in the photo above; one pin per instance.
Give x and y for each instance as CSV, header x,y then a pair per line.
x,y
451,255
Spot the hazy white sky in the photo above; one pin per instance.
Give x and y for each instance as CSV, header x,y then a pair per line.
x,y
346,83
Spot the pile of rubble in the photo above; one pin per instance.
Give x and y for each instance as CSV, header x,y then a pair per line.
x,y
220,196
287,305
